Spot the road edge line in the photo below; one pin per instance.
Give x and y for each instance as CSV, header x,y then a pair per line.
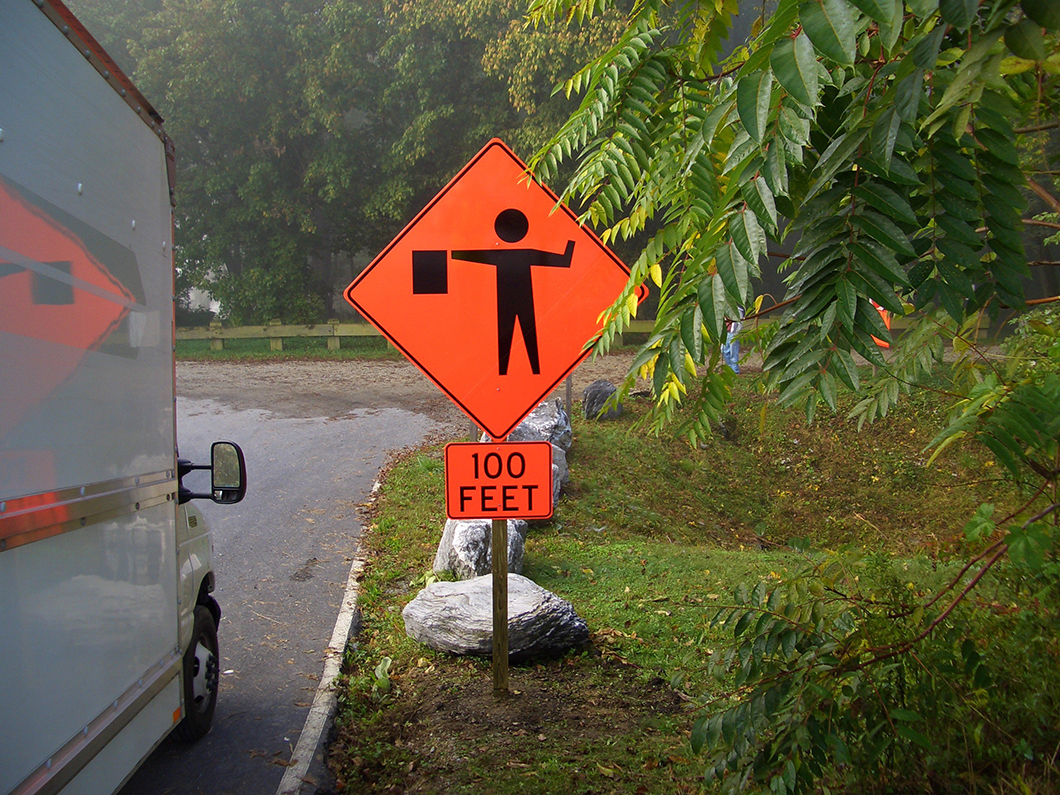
x,y
325,700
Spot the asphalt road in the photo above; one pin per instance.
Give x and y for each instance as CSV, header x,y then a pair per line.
x,y
282,559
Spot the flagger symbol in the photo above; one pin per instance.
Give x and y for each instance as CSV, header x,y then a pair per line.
x,y
515,288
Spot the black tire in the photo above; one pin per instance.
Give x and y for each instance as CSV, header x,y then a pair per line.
x,y
201,669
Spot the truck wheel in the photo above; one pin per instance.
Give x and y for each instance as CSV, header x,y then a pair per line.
x,y
201,666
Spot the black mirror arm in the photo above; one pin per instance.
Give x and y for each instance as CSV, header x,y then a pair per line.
x,y
184,466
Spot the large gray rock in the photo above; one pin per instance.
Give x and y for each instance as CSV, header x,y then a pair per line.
x,y
546,423
457,617
595,397
466,547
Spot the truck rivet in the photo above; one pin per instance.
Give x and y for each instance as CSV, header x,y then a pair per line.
x,y
82,491
3,544
83,521
1,133
48,764
134,223
3,507
66,30
106,75
122,92
80,188
137,506
40,3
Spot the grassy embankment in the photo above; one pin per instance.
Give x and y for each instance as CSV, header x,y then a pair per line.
x,y
651,537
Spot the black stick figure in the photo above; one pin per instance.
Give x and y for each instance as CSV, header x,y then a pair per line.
x,y
515,288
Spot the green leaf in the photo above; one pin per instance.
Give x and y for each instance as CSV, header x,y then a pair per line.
x,y
837,157
713,304
847,370
956,252
1045,12
880,10
776,170
884,136
883,230
926,51
881,261
958,13
907,95
795,68
1000,146
748,236
753,94
691,336
848,302
760,199
959,230
907,732
1025,40
886,201
699,733
732,268
830,27
981,525
906,715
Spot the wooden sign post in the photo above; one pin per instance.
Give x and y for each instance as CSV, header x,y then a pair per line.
x,y
500,608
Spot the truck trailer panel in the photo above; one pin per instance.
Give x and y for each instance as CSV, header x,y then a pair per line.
x,y
92,599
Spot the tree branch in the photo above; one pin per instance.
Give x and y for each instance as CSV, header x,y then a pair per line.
x,y
1037,128
1044,195
773,308
1038,301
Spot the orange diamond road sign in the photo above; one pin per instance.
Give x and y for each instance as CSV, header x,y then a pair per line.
x,y
492,290
503,480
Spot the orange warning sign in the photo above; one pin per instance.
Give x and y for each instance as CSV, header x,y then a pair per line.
x,y
493,290
501,480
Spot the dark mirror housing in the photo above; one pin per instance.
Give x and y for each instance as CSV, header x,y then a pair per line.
x,y
228,473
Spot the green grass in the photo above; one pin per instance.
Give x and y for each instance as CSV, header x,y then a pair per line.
x,y
304,348
296,348
650,540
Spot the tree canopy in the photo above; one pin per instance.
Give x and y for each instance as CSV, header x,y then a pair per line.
x,y
310,132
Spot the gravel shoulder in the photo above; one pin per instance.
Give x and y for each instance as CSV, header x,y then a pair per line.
x,y
333,389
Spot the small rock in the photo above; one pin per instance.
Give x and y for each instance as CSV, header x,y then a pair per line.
x,y
595,397
466,547
457,617
546,423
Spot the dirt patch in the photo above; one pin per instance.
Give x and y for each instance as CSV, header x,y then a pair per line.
x,y
333,389
446,731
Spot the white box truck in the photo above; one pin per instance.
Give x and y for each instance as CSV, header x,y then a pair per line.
x,y
107,628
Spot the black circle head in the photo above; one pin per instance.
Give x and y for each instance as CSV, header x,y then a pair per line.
x,y
511,226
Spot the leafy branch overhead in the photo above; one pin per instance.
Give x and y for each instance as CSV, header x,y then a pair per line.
x,y
875,138
884,152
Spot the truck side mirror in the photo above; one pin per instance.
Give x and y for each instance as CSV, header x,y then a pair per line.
x,y
228,473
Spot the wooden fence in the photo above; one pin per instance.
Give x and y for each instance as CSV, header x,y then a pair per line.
x,y
334,330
